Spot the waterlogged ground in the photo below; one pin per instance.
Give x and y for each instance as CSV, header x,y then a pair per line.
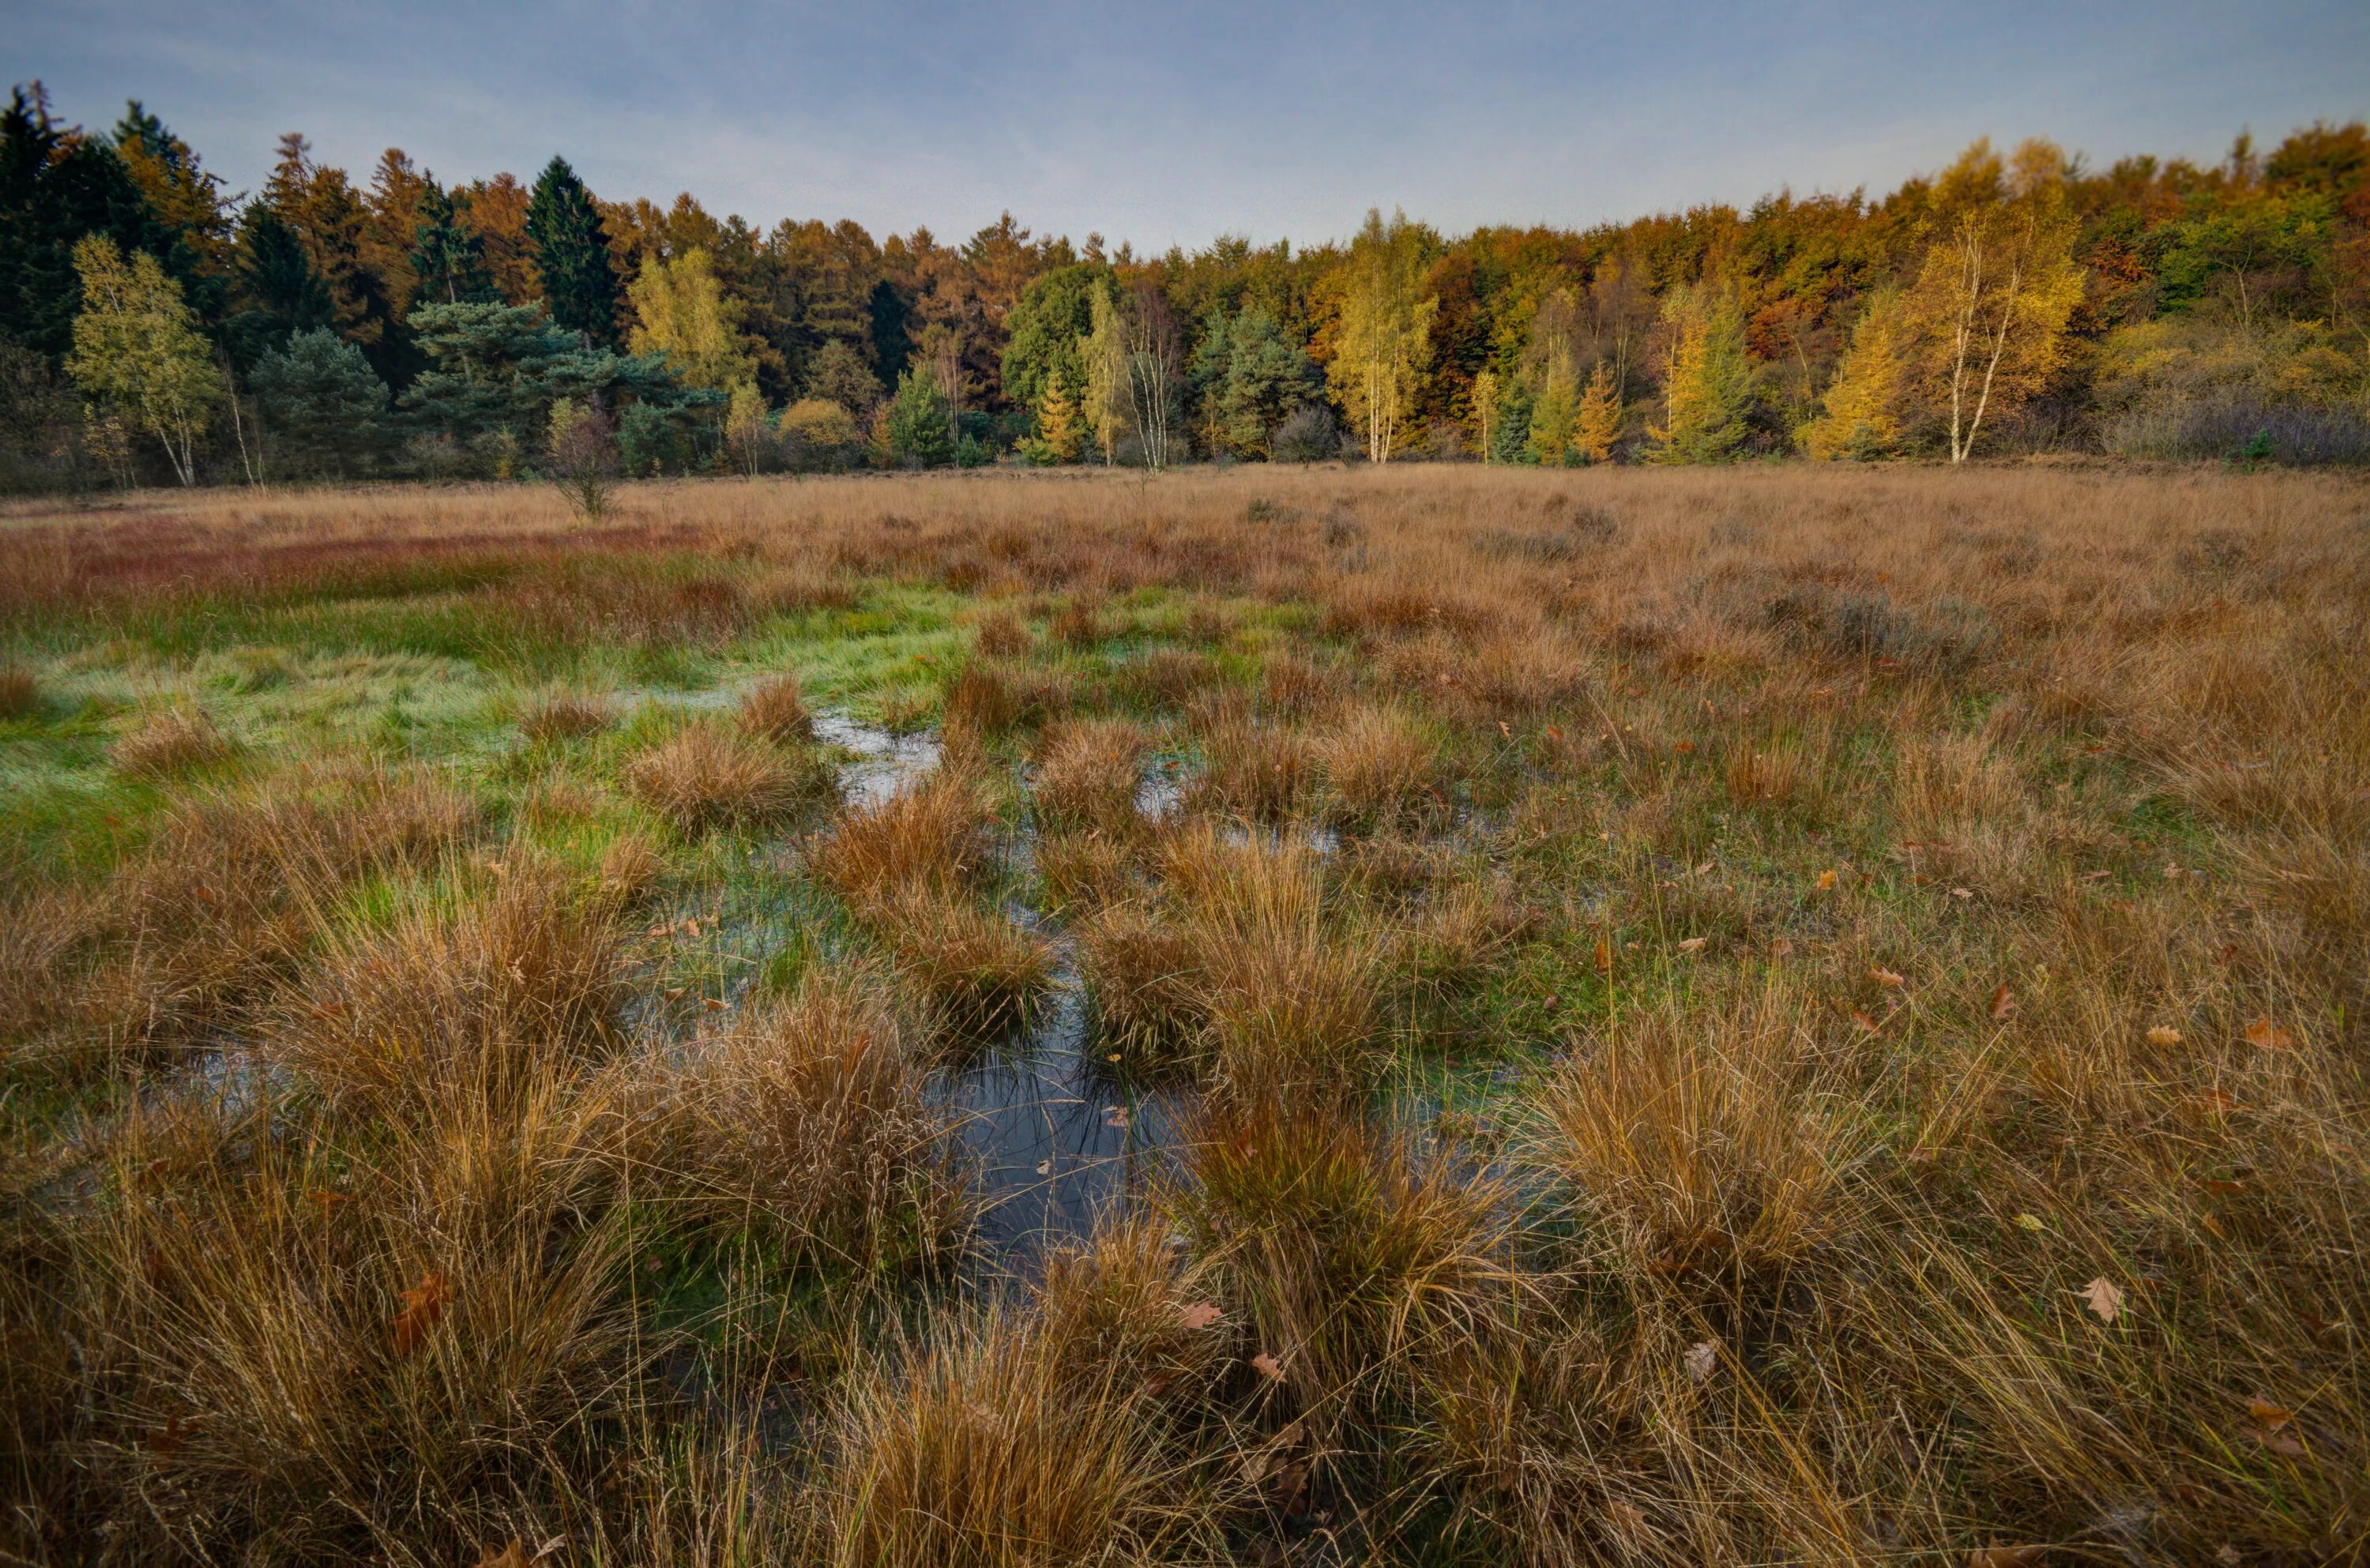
x,y
1443,1017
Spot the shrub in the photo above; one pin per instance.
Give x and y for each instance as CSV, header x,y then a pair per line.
x,y
1306,436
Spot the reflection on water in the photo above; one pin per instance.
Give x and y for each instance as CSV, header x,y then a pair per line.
x,y
1059,1142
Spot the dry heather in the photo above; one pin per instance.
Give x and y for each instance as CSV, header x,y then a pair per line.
x,y
1775,1015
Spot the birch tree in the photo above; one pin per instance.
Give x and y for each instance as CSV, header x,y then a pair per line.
x,y
1996,289
1382,343
137,355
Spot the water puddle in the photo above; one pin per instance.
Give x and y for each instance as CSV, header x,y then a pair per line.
x,y
885,763
1059,1142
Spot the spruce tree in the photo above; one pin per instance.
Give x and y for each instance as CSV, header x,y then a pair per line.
x,y
580,286
448,259
279,290
325,406
1552,417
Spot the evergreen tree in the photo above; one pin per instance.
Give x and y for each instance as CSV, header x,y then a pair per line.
x,y
914,424
278,290
58,187
1250,376
1045,328
137,353
186,199
325,408
1596,429
1060,433
580,284
329,219
1861,418
1708,388
448,260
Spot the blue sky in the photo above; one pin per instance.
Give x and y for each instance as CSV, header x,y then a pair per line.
x,y
1178,122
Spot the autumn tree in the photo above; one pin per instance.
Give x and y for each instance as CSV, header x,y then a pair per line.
x,y
1060,432
1382,342
1996,289
1706,383
683,312
137,355
1596,427
1860,416
571,254
448,260
1155,366
1552,415
1485,412
1110,407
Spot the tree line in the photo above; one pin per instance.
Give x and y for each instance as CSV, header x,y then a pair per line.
x,y
154,326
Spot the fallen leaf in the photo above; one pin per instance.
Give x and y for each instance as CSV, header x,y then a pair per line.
x,y
511,1556
2164,1034
2030,1221
168,1440
2003,1002
1044,1168
1704,870
1114,1057
1685,748
1693,944
1826,881
1268,1367
2279,1440
1782,947
674,993
423,1305
715,1004
2105,1296
1962,892
2269,1415
1199,1315
1885,977
1604,955
1116,1117
1702,1357
2007,1557
1860,1017
2265,1035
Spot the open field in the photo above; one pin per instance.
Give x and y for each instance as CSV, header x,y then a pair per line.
x,y
1425,1015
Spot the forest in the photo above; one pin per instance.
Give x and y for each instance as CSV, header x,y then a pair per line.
x,y
158,327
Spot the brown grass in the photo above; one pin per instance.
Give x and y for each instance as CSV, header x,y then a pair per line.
x,y
559,718
775,709
707,776
168,742
1087,775
20,693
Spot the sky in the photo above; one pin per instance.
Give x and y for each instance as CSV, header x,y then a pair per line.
x,y
1176,123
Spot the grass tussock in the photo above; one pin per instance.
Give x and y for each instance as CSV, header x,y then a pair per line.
x,y
984,1444
706,777
810,1125
775,709
1379,768
1144,975
983,971
169,742
929,837
559,719
1086,777
20,693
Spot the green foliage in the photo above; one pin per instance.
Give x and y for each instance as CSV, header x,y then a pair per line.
x,y
325,408
1250,376
495,368
137,355
1044,329
279,290
915,423
571,254
448,260
1708,388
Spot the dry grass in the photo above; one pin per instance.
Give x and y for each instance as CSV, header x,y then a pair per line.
x,y
20,693
1900,936
557,718
809,1124
707,776
168,742
775,709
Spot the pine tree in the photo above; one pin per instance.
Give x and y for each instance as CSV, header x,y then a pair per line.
x,y
279,290
1710,385
1596,430
137,355
447,257
56,187
325,406
915,423
579,285
1861,414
